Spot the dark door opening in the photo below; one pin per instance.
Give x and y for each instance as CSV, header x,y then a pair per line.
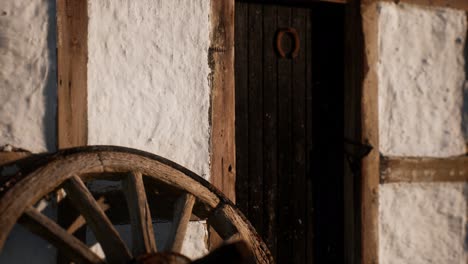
x,y
289,128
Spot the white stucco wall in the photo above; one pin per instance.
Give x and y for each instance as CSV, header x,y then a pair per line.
x,y
148,78
28,73
422,78
148,85
423,223
421,75
27,101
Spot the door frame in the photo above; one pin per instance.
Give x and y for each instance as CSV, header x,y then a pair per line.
x,y
361,112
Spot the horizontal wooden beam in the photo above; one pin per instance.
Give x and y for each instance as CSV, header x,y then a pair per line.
x,y
457,4
294,2
393,169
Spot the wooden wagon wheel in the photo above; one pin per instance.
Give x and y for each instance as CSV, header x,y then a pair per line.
x,y
142,175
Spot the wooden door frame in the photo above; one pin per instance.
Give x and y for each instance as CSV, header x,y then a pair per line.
x,y
361,102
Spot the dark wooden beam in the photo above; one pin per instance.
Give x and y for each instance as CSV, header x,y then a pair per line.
x,y
397,169
72,55
294,2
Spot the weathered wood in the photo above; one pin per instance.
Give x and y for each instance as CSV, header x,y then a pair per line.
x,y
354,54
182,213
167,172
370,135
80,221
270,128
47,229
309,208
115,249
285,251
143,241
295,2
297,201
396,169
229,222
72,61
72,106
255,82
46,177
242,108
11,156
221,62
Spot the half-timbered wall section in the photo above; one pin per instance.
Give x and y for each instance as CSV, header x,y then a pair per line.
x,y
421,82
137,75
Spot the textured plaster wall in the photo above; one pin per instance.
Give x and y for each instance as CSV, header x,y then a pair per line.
x,y
421,80
148,85
27,101
148,78
28,74
422,103
424,223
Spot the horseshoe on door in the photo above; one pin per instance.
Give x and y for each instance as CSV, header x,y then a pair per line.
x,y
296,42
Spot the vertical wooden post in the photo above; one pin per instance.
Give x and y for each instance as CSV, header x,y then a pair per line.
x,y
370,135
72,60
221,62
72,54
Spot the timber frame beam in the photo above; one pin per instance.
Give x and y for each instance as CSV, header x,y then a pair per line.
x,y
376,169
393,169
72,61
72,105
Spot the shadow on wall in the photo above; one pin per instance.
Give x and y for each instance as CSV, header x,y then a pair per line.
x,y
50,89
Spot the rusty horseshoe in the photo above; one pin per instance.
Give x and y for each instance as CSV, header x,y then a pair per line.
x,y
279,37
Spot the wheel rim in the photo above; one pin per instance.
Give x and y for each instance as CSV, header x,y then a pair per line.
x,y
69,169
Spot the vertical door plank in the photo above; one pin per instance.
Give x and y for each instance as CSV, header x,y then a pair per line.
x,y
309,135
242,107
297,179
270,115
285,250
255,53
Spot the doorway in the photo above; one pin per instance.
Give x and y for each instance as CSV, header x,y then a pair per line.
x,y
289,68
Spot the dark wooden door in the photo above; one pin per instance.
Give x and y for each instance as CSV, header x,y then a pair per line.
x,y
289,129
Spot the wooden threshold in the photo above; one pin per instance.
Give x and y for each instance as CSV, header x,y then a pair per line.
x,y
397,169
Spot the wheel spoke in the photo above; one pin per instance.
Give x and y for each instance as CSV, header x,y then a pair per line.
x,y
140,215
114,248
42,226
182,214
81,221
